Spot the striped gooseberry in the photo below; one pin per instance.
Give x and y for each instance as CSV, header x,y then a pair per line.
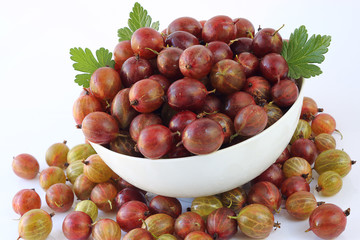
x,y
25,200
333,160
88,207
323,123
234,199
50,176
324,141
256,221
73,170
96,169
77,226
294,184
205,205
297,166
103,195
301,204
82,187
25,166
80,152
329,183
219,225
265,193
188,222
106,229
35,224
59,197
328,221
159,223
56,154
303,130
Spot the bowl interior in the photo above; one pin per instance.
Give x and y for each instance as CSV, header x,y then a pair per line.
x,y
209,174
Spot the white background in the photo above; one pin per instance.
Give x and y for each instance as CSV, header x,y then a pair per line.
x,y
37,87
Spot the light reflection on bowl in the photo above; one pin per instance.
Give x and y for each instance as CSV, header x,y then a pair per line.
x,y
208,174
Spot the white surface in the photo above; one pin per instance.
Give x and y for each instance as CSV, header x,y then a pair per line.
x,y
37,88
219,172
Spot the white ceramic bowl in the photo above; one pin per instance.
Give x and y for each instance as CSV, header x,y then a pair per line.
x,y
209,174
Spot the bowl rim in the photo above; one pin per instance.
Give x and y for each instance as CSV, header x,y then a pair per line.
x,y
300,84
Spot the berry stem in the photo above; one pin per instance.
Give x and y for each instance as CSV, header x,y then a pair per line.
x,y
278,30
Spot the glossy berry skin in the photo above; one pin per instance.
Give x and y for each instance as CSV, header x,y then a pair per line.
x,y
333,160
227,76
187,24
256,221
219,225
146,95
284,93
59,197
105,82
249,62
273,174
186,94
324,141
203,136
128,194
297,166
35,224
274,67
250,120
265,193
168,62
84,105
198,235
100,127
327,221
168,205
103,195
131,214
188,222
155,141
146,37
164,82
121,109
237,101
25,200
134,69
180,120
25,166
244,28
323,123
226,123
265,41
181,40
301,204
106,229
219,28
220,50
138,233
77,226
196,61
304,148
294,184
258,87
122,52
240,45
309,109
140,122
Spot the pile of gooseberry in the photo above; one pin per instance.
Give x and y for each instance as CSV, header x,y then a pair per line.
x,y
192,89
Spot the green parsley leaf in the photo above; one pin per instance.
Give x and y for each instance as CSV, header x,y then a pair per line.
x,y
301,53
86,62
138,18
